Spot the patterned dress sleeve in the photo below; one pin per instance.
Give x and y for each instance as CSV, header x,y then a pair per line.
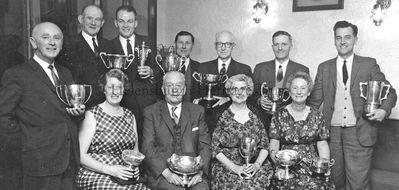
x,y
216,149
262,134
274,130
323,131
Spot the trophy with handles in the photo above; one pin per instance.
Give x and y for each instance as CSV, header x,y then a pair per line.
x,y
275,94
287,158
167,59
74,95
116,61
209,80
185,166
247,149
375,94
142,52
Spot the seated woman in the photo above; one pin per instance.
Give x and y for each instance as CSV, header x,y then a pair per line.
x,y
301,128
237,120
106,131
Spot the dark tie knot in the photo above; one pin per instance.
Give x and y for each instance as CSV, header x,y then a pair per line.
x,y
51,67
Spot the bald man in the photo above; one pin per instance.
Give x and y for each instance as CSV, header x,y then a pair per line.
x,y
50,151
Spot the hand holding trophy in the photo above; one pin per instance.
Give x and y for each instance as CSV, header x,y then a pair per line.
x,y
247,149
375,94
74,95
274,94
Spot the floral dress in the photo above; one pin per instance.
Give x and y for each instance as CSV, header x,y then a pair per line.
x,y
301,136
113,135
225,140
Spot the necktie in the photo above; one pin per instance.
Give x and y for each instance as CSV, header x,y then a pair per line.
x,y
183,66
344,73
53,75
174,116
223,70
129,47
95,46
280,73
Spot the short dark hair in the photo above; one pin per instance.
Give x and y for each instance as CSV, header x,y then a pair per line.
x,y
114,73
345,24
184,33
281,32
127,9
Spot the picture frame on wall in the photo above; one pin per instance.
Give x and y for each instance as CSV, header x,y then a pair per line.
x,y
316,5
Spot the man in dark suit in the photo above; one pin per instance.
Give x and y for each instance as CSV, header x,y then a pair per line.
x,y
173,126
142,92
81,52
275,72
50,147
184,42
353,133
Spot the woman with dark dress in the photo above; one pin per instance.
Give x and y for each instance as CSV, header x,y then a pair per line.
x,y
301,128
106,131
237,120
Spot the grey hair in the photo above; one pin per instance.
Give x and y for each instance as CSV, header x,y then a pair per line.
x,y
240,78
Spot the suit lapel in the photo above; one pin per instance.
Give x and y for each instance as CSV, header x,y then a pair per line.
x,y
165,114
232,68
272,74
355,70
184,117
85,46
41,74
333,71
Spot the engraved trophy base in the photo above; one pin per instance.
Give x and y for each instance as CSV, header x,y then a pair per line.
x,y
207,103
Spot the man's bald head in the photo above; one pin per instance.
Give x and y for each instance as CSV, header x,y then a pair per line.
x,y
46,39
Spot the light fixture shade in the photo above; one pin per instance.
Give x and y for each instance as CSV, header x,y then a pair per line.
x,y
259,9
378,13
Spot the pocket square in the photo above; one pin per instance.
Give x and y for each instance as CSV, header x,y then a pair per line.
x,y
195,129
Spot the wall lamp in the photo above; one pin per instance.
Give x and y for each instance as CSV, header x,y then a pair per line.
x,y
378,13
259,9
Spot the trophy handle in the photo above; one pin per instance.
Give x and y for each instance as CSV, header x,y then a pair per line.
x,y
101,56
197,76
264,86
386,91
361,89
331,163
90,91
58,89
129,59
223,78
156,60
285,91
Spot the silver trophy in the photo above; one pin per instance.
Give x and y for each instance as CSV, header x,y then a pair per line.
x,y
374,96
116,61
74,95
276,95
142,52
185,166
287,158
209,80
321,165
247,149
133,159
167,59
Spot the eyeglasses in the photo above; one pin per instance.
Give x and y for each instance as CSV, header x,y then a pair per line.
x,y
225,44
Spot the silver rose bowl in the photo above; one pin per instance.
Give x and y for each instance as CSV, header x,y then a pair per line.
x,y
286,158
185,166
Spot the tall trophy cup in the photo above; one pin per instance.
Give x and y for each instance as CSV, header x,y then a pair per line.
x,y
209,80
74,95
167,59
115,61
320,167
247,149
185,166
142,52
276,95
287,158
374,96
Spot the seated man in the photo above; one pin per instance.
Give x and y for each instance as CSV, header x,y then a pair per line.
x,y
172,126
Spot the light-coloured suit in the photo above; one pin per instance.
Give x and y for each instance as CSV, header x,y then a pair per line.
x,y
158,135
354,171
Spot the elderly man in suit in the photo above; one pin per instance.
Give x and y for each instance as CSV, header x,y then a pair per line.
x,y
275,72
173,126
50,148
184,42
81,52
353,133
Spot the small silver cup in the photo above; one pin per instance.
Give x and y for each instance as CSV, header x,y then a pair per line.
x,y
276,95
132,158
74,95
287,158
142,52
116,61
209,80
186,166
247,149
167,59
374,95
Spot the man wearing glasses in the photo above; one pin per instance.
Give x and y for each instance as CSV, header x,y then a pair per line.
x,y
224,64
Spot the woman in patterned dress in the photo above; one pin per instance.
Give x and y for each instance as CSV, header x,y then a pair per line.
x,y
301,128
106,131
238,119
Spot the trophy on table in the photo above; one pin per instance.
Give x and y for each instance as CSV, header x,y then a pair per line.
x,y
287,158
185,166
74,95
116,61
167,59
275,94
142,52
209,80
320,167
133,159
375,94
247,149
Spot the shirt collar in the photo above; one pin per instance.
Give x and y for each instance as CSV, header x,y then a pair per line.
x,y
220,62
124,40
177,111
88,38
41,62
